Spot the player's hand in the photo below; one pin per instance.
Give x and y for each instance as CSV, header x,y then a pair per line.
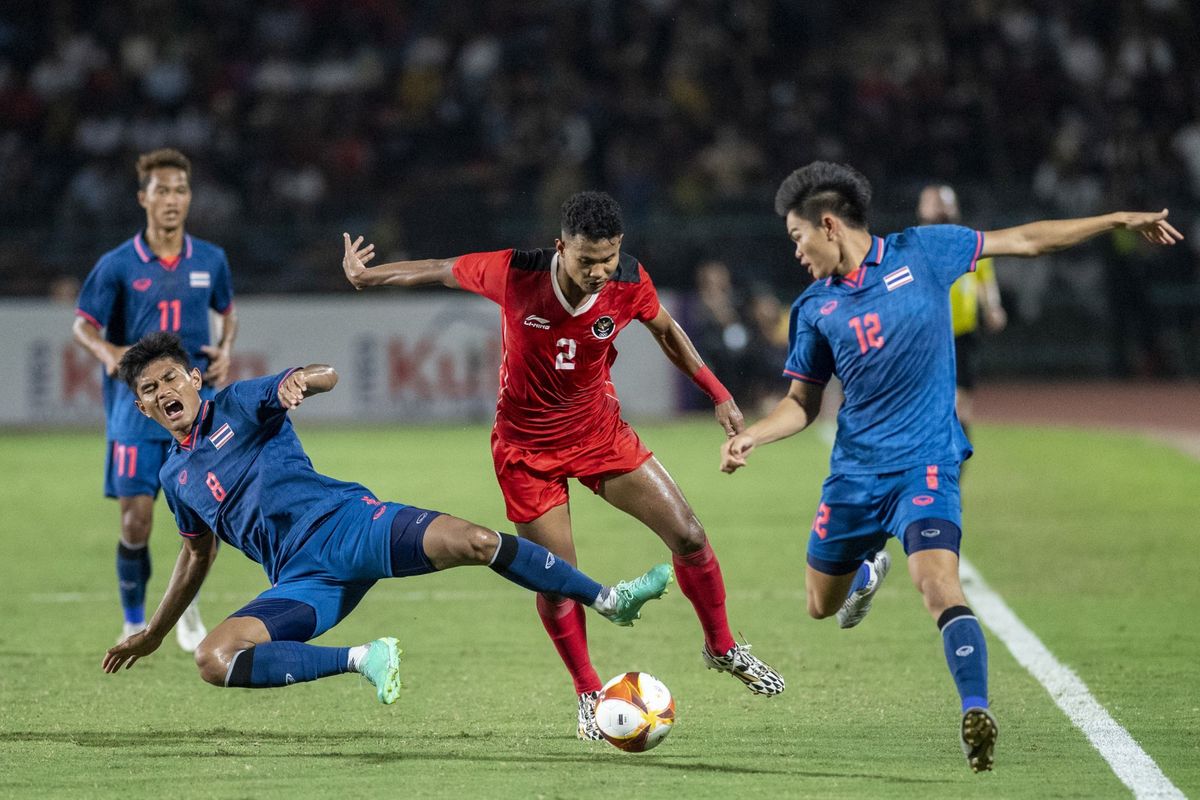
x,y
730,417
126,653
995,318
734,452
354,261
291,390
113,359
1153,226
218,364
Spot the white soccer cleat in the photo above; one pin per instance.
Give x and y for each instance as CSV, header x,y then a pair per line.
x,y
858,603
190,630
751,670
129,629
588,730
979,732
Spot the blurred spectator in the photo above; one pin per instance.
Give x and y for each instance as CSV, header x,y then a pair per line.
x,y
766,352
717,329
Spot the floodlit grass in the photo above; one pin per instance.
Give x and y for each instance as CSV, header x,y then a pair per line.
x,y
1089,537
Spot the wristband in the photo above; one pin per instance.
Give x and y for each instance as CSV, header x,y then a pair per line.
x,y
712,387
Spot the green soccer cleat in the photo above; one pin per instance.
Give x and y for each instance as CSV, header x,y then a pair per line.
x,y
381,666
632,595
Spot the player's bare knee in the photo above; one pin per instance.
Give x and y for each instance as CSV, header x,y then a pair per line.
x,y
479,545
689,537
820,607
135,526
211,664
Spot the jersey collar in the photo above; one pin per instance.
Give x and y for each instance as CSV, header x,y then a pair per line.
x,y
873,258
145,254
190,442
574,312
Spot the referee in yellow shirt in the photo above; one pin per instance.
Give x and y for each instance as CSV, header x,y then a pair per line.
x,y
973,296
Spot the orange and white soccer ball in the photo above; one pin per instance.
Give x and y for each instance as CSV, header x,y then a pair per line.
x,y
635,711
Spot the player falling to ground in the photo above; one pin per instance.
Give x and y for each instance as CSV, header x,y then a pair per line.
x,y
972,295
237,469
160,280
558,416
877,316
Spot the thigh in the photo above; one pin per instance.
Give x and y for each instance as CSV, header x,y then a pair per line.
x,y
282,607
650,495
846,529
131,467
924,509
530,481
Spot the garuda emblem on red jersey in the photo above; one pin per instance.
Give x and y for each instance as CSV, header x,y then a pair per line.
x,y
603,327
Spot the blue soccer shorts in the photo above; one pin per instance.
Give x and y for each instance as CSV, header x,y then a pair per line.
x,y
920,506
361,542
131,467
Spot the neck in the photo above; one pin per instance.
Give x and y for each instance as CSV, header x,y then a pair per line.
x,y
572,293
164,241
857,245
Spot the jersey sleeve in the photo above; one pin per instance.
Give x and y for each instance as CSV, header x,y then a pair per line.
x,y
950,250
258,398
810,358
221,299
189,522
645,302
484,273
99,294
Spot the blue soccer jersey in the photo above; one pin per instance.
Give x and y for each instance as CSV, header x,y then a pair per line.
x,y
243,474
130,293
884,330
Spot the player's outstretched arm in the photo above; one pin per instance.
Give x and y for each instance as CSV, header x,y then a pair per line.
x,y
398,273
678,348
305,382
795,412
195,558
104,351
1037,238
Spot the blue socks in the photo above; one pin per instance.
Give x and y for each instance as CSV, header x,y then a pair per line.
x,y
536,568
966,654
861,577
133,573
281,663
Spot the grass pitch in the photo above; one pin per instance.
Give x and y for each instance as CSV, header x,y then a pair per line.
x,y
1089,537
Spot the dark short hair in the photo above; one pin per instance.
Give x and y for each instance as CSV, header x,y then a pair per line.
x,y
156,159
592,215
150,348
823,187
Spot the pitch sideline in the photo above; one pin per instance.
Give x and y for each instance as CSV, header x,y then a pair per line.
x,y
1128,760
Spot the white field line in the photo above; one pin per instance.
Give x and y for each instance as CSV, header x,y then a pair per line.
x,y
1129,761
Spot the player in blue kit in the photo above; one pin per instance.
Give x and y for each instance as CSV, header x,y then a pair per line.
x,y
236,469
160,280
878,316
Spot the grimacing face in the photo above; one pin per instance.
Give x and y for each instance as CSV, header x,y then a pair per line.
x,y
817,248
166,198
169,394
588,263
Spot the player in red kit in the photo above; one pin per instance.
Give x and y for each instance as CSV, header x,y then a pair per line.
x,y
558,417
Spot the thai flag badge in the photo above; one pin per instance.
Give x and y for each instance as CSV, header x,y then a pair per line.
x,y
221,436
199,280
894,280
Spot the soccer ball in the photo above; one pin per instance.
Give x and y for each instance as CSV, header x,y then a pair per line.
x,y
635,711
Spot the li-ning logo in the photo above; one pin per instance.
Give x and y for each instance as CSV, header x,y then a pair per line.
x,y
929,533
549,560
603,327
142,284
828,308
964,651
534,321
222,436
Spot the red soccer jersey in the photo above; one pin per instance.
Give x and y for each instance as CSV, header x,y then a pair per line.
x,y
554,372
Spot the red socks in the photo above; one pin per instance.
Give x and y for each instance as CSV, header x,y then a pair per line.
x,y
699,577
567,626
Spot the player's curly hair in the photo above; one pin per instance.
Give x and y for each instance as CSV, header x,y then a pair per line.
x,y
150,348
157,159
823,187
592,215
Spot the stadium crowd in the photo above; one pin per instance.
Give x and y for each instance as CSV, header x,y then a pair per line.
x,y
430,125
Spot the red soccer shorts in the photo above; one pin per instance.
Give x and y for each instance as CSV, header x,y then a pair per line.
x,y
535,481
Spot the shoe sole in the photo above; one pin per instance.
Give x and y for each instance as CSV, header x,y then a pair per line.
x,y
979,733
389,692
